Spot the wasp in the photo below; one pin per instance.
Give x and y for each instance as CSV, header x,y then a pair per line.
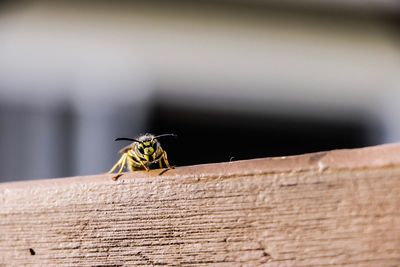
x,y
142,154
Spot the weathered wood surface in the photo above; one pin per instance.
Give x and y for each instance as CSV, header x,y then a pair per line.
x,y
339,208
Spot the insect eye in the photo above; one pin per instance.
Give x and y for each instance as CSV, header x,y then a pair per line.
x,y
141,149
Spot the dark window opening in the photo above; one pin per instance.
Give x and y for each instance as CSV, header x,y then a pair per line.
x,y
206,136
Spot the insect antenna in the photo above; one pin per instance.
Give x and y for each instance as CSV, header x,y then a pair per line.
x,y
163,135
127,139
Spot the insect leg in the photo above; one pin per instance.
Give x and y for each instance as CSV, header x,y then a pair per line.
x,y
132,165
123,162
140,161
116,164
165,158
144,166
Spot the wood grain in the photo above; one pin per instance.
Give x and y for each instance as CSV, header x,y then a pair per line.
x,y
338,208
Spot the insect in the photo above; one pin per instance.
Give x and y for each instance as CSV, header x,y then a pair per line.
x,y
142,154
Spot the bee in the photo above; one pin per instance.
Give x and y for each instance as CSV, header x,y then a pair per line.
x,y
142,154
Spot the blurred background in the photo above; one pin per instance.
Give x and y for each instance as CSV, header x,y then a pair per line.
x,y
234,79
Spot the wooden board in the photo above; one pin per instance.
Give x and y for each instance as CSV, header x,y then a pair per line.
x,y
339,208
